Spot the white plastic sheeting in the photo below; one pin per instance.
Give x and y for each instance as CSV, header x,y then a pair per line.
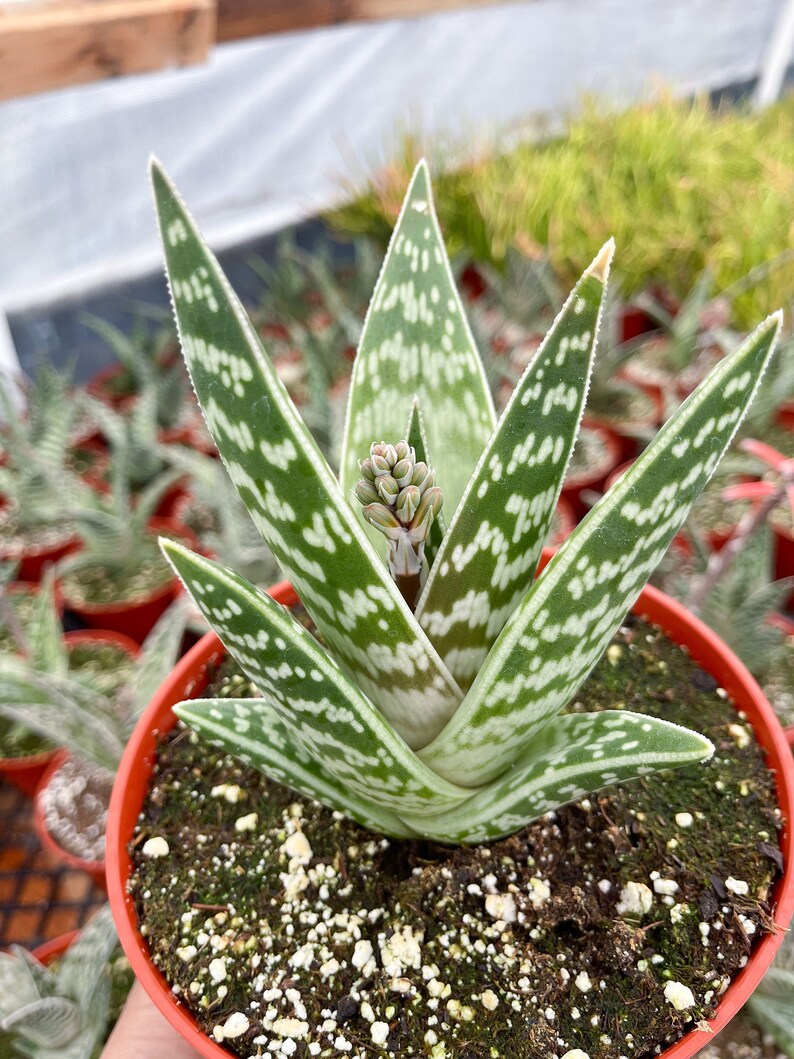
x,y
263,135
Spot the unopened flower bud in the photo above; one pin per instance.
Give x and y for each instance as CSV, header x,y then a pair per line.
x,y
429,506
422,476
407,503
403,470
404,451
380,465
365,466
367,493
387,488
384,519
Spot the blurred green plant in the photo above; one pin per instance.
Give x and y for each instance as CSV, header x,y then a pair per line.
x,y
681,186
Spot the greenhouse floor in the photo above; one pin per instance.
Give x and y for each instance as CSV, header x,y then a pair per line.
x,y
39,898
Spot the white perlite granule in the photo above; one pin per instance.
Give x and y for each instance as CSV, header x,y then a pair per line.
x,y
379,1031
679,995
635,899
576,1053
155,847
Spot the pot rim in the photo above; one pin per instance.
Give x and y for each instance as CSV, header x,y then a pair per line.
x,y
703,645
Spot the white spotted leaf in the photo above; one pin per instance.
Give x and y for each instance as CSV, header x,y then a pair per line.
x,y
322,709
565,621
489,553
574,755
292,494
268,746
416,341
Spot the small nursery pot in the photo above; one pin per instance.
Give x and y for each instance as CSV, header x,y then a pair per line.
x,y
34,559
94,868
135,618
26,773
188,679
594,478
101,386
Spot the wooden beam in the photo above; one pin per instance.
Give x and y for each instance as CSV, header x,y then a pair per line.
x,y
70,42
238,19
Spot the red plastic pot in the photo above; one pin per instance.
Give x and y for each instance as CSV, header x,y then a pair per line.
x,y
567,522
189,678
81,637
25,773
595,478
136,618
94,868
33,560
785,415
635,322
99,386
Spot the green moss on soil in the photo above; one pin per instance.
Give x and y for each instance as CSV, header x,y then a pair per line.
x,y
265,924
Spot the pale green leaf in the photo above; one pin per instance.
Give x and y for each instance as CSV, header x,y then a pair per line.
x,y
416,436
85,963
293,495
772,1007
44,632
417,341
493,542
574,755
158,656
323,710
567,618
50,1021
268,746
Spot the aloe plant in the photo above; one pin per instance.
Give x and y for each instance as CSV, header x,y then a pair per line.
x,y
41,693
35,443
61,1013
445,720
146,365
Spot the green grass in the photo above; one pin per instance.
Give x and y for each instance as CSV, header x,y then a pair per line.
x,y
680,186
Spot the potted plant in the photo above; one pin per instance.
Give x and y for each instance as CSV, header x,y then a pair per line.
x,y
427,713
35,455
117,579
64,694
63,998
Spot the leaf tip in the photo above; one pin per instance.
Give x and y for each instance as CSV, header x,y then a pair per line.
x,y
603,259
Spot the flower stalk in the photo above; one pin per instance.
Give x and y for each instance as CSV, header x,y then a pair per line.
x,y
401,500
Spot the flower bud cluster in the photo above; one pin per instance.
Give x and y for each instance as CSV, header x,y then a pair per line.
x,y
398,492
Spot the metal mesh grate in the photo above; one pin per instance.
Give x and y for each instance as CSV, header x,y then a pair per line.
x,y
39,898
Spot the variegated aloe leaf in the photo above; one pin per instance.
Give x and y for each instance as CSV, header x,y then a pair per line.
x,y
567,618
416,341
44,633
158,656
85,963
267,745
574,755
489,554
416,436
50,1021
62,711
322,709
772,1007
293,495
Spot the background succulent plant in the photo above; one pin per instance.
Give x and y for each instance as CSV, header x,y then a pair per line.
x,y
446,722
59,1013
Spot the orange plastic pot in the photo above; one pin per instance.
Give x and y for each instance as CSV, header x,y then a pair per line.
x,y
135,618
34,559
190,677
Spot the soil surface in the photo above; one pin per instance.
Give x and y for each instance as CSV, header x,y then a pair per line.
x,y
606,928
